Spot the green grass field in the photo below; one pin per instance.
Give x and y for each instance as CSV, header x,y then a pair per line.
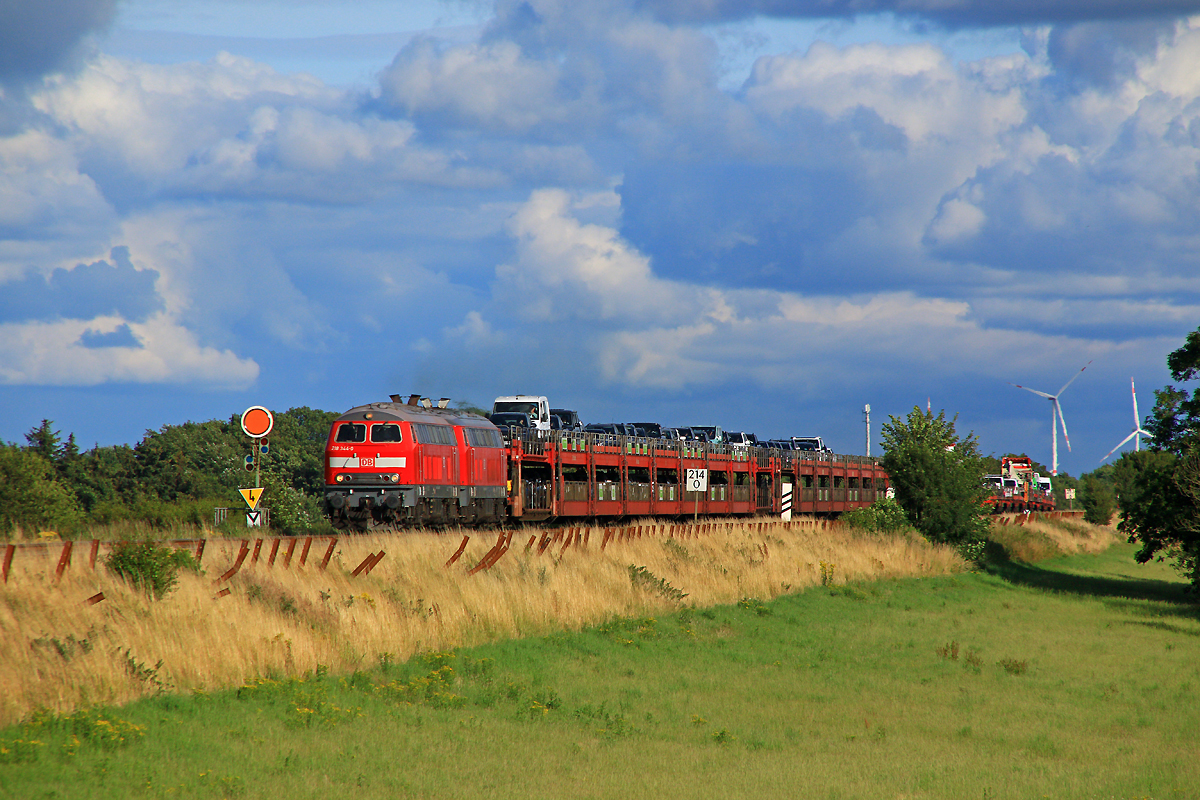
x,y
1072,678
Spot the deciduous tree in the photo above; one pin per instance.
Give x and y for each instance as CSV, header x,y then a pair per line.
x,y
938,476
1159,489
31,496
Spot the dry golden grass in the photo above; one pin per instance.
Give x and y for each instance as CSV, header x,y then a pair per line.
x,y
59,652
1040,537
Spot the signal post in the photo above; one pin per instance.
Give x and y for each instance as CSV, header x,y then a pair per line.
x,y
257,422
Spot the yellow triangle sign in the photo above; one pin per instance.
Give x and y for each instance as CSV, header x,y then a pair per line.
x,y
251,496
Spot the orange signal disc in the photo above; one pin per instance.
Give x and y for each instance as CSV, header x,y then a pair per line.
x,y
257,422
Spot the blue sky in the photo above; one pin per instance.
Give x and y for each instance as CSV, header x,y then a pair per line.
x,y
762,215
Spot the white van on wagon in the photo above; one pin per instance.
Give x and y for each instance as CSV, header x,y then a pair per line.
x,y
538,408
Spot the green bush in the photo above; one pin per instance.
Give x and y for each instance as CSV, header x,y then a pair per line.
x,y
293,512
883,516
1099,501
152,568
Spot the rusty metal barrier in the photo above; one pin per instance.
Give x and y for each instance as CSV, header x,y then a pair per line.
x,y
458,552
66,555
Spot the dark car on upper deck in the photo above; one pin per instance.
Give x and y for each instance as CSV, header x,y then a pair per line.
x,y
510,422
570,419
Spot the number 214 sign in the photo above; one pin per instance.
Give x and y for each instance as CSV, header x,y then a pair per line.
x,y
697,480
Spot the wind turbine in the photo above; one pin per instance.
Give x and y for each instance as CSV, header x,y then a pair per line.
x,y
1055,411
1138,433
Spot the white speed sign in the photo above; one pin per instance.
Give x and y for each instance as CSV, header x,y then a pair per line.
x,y
697,480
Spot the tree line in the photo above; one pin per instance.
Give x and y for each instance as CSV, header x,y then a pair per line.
x,y
174,476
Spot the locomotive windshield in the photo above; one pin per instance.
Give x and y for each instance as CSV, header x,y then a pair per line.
x,y
351,432
385,432
517,408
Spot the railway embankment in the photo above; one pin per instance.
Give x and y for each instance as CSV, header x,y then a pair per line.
x,y
74,634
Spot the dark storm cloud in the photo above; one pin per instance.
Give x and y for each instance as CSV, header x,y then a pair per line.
x,y
744,225
960,14
761,225
40,36
1100,53
1077,218
86,292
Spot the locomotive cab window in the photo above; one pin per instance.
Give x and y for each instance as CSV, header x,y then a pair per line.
x,y
351,432
386,432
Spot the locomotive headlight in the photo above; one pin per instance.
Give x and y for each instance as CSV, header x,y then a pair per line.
x,y
395,477
340,478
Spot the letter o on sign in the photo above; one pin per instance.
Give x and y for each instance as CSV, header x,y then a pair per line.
x,y
257,422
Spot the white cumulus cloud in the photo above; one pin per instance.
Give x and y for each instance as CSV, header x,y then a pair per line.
x,y
54,354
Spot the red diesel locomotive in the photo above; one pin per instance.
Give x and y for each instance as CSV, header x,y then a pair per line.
x,y
407,464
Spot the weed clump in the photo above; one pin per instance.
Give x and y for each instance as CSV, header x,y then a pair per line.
x,y
723,736
152,568
141,673
642,578
88,726
757,606
948,651
677,550
66,648
1013,666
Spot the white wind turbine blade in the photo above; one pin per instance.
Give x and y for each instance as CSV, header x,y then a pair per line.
x,y
1035,391
1137,421
1068,383
1119,446
1063,420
